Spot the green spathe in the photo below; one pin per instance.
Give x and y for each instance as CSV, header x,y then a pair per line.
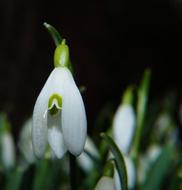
x,y
61,55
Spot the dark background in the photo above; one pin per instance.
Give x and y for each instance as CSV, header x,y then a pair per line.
x,y
111,43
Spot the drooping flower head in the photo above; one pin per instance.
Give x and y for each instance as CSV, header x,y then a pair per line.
x,y
59,117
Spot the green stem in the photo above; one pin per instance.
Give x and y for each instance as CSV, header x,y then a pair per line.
x,y
73,169
141,112
42,169
14,179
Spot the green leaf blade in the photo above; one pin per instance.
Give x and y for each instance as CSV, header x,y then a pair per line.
x,y
119,160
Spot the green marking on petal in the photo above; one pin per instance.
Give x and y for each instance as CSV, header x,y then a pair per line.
x,y
55,104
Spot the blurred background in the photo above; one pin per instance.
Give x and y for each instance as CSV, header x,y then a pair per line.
x,y
111,43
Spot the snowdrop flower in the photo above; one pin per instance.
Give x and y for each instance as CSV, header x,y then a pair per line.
x,y
124,123
124,126
7,146
123,131
8,150
105,183
147,160
85,162
25,142
59,117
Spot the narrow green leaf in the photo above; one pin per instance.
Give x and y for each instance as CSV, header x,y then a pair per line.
x,y
143,91
119,160
159,169
54,33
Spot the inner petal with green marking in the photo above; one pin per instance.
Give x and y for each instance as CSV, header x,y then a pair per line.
x,y
55,104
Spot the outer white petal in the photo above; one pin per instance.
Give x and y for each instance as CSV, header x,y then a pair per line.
x,y
54,85
74,124
124,126
105,183
85,162
131,174
25,142
55,137
8,150
39,127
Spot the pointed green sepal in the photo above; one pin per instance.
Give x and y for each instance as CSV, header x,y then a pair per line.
x,y
143,91
128,96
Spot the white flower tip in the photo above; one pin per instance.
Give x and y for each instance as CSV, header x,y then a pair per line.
x,y
124,127
76,150
105,183
56,142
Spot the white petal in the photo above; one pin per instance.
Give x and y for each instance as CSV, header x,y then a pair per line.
x,y
54,84
74,124
55,137
39,126
123,127
56,142
105,183
58,78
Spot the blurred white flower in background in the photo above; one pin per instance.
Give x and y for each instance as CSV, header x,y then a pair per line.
x,y
124,127
105,183
7,145
7,149
124,124
146,160
25,141
84,160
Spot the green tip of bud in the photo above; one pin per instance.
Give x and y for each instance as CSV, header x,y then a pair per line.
x,y
128,95
61,55
146,78
4,123
109,169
